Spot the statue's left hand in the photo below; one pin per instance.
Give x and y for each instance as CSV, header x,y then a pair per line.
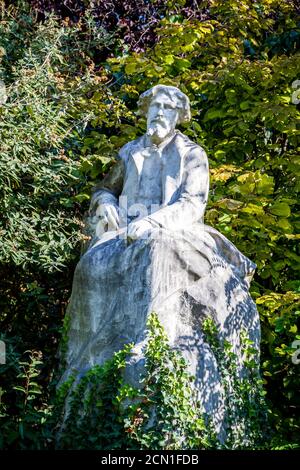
x,y
138,229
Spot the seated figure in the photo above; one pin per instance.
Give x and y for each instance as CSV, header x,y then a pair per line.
x,y
152,252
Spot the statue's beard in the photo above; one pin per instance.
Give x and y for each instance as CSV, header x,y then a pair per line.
x,y
158,131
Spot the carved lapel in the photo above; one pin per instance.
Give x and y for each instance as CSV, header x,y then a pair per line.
x,y
172,157
138,159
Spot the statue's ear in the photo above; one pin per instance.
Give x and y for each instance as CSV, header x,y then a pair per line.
x,y
184,114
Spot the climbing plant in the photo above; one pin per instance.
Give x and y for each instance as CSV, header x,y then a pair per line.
x,y
164,412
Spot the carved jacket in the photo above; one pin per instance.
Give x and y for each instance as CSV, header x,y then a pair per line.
x,y
184,181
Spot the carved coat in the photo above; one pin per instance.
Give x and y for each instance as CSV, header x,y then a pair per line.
x,y
182,169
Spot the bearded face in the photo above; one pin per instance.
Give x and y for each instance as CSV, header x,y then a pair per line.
x,y
162,117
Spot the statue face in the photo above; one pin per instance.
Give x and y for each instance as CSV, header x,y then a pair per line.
x,y
162,117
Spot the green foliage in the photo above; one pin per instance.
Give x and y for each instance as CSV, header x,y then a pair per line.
x,y
246,409
22,423
164,412
93,405
49,75
280,316
42,130
169,415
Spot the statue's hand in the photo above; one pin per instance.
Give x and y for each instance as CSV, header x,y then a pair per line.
x,y
108,218
138,229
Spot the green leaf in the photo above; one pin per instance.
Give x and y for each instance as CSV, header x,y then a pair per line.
x,y
245,105
231,96
182,64
265,183
214,114
281,209
169,59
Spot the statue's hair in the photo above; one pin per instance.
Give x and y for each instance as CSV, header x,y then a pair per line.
x,y
182,101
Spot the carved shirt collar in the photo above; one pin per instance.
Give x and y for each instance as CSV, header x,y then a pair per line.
x,y
148,148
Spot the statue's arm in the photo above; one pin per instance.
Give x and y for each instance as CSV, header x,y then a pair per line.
x,y
193,194
103,212
109,189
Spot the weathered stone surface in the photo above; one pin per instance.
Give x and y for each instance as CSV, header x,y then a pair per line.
x,y
166,260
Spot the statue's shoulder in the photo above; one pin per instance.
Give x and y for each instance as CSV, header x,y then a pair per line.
x,y
191,149
129,148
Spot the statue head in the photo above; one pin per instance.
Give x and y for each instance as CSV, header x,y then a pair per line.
x,y
164,107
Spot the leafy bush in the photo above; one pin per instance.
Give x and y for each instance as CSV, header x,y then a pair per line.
x,y
24,415
48,72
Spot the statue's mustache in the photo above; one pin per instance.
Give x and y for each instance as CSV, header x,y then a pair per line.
x,y
158,121
152,130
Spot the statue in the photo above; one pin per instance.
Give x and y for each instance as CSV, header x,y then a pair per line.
x,y
151,251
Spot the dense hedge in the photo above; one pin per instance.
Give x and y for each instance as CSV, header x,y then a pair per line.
x,y
72,86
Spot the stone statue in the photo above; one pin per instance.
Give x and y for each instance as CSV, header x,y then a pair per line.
x,y
151,251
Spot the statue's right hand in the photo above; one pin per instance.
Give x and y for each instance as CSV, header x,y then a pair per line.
x,y
109,218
